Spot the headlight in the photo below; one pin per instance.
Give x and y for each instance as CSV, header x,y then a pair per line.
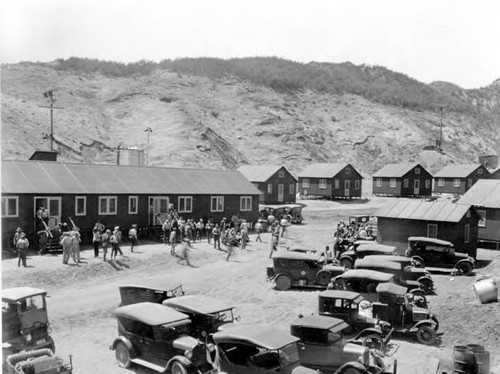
x,y
188,354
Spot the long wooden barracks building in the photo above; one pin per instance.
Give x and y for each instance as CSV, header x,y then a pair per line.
x,y
118,195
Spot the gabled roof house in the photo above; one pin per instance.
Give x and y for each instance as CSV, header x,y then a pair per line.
x,y
402,180
457,179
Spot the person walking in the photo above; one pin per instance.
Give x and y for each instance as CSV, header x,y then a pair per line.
x,y
22,246
173,240
258,229
115,243
66,245
274,240
42,241
230,243
96,240
200,228
132,235
216,235
166,227
75,245
186,248
106,242
208,229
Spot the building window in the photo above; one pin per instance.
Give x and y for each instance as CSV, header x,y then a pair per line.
x,y
378,182
441,182
185,204
480,171
357,184
392,183
322,183
482,220
80,205
456,182
469,183
133,205
427,183
417,170
337,184
245,203
432,230
10,206
217,204
107,205
281,174
466,233
291,189
305,182
348,170
406,183
269,188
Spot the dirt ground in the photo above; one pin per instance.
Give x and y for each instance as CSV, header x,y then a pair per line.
x,y
82,298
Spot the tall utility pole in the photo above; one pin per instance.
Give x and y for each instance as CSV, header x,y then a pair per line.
x,y
50,95
440,144
148,131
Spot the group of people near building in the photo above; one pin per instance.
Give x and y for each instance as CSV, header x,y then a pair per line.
x,y
347,233
106,239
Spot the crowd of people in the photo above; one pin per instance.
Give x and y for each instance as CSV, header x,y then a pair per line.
x,y
347,233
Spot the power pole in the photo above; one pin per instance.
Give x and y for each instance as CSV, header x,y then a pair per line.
x,y
50,95
148,130
440,145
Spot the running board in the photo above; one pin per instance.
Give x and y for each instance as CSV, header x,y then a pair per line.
x,y
148,364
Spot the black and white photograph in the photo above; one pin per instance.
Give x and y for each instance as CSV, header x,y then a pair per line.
x,y
250,187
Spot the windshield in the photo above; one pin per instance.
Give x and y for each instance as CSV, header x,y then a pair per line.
x,y
288,355
333,336
168,333
225,315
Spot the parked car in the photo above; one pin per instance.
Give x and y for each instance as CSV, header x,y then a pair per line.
x,y
319,253
247,349
206,314
323,346
291,212
401,277
346,305
360,280
292,268
397,307
362,249
427,252
157,337
138,294
38,361
25,322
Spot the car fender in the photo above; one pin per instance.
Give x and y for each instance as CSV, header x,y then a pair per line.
x,y
426,277
417,325
351,364
278,274
418,258
466,260
368,331
182,359
128,344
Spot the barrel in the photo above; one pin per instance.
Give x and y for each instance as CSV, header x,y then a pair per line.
x,y
486,290
463,360
481,358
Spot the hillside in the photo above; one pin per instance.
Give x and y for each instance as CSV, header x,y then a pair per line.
x,y
221,114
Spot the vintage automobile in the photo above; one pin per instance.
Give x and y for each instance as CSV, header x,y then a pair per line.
x,y
346,305
293,212
361,280
322,346
38,361
401,277
426,252
248,349
139,294
206,314
157,337
25,323
396,306
292,268
364,248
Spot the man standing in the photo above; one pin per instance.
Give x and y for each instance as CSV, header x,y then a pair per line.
x,y
22,248
258,230
132,235
75,245
172,239
216,236
66,244
105,239
96,240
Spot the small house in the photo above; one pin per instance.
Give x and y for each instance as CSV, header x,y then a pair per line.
x,y
402,180
458,179
331,181
276,184
495,174
485,196
456,223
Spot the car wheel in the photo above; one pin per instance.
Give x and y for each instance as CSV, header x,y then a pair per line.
x,y
436,327
323,277
346,263
418,292
426,335
371,287
122,355
283,282
427,285
52,345
352,370
373,341
178,368
418,262
464,268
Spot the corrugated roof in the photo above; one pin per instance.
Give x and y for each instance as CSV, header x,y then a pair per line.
x,y
259,173
456,171
57,177
424,211
322,170
395,170
485,192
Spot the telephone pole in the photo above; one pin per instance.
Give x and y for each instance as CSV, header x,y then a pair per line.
x,y
440,144
148,130
50,95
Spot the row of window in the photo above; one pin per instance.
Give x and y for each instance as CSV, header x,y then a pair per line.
x,y
108,205
406,183
456,182
432,232
281,189
322,183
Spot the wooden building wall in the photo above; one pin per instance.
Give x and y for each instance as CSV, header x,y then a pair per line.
x,y
330,191
492,230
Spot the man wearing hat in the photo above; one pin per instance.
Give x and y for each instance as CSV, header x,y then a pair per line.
x,y
22,248
132,235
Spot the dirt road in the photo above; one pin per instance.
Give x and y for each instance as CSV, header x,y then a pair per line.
x,y
83,298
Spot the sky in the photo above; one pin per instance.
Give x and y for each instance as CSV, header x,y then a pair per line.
x,y
447,40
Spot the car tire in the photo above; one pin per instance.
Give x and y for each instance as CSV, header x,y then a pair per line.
x,y
418,262
178,368
346,263
283,282
323,277
373,341
464,268
122,355
436,327
426,335
52,345
427,285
